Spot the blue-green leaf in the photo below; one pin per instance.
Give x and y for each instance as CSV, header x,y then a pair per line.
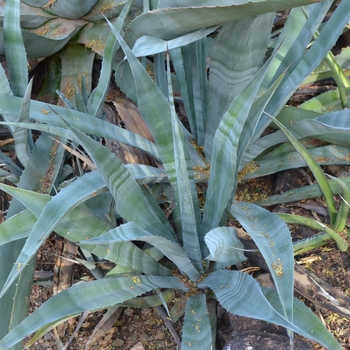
x,y
272,236
224,245
91,296
196,331
131,232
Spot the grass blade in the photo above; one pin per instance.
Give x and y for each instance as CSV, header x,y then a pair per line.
x,y
316,170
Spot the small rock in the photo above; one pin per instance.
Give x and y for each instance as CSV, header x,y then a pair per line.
x,y
144,336
128,312
160,336
138,346
108,337
258,340
118,343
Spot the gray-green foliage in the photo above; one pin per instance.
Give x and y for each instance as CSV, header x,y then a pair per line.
x,y
200,245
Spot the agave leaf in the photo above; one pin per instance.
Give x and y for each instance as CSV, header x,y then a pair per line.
x,y
337,122
298,194
154,108
290,115
83,222
17,226
326,102
22,136
187,19
30,17
224,245
74,9
128,255
76,63
91,296
196,331
14,48
97,98
296,35
252,120
151,300
323,72
83,188
304,319
45,113
131,232
186,191
198,77
237,292
177,60
238,53
274,241
132,203
150,45
50,37
5,88
34,201
39,175
208,3
311,59
225,146
43,330
108,8
279,161
6,175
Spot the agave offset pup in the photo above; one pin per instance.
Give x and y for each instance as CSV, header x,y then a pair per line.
x,y
191,254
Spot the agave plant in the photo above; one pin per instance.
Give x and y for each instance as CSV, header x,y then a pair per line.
x,y
192,254
73,31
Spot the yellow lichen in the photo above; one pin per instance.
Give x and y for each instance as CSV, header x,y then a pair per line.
x,y
250,168
49,4
96,45
277,266
106,7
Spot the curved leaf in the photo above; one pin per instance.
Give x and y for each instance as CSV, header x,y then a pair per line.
x,y
132,204
91,296
188,18
73,9
238,293
83,188
82,222
279,161
128,255
49,114
131,232
337,122
316,170
97,98
298,194
224,245
274,241
304,319
311,58
150,45
34,201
